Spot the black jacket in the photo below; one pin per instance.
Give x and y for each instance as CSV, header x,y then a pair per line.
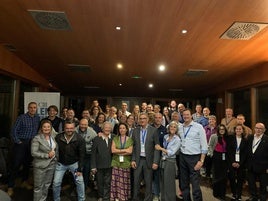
x,y
72,152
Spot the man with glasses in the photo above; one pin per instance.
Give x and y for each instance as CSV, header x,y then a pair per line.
x,y
145,157
258,163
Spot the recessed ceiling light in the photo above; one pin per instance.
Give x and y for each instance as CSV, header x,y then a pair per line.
x,y
119,66
120,84
150,85
118,28
184,31
162,68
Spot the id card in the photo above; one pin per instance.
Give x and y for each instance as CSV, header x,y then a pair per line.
x,y
142,148
121,159
237,157
223,156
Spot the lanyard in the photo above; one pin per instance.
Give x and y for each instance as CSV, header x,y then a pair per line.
x,y
256,144
143,133
122,145
50,142
185,134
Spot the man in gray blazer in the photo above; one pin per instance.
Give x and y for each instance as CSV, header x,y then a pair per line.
x,y
145,157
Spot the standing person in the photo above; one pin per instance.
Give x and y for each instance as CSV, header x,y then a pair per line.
x,y
131,124
25,128
240,121
229,121
181,108
162,131
170,147
172,107
101,161
122,146
136,113
44,149
143,107
55,120
64,113
145,157
124,108
237,148
258,163
97,126
71,116
166,118
217,150
88,134
210,129
71,157
192,155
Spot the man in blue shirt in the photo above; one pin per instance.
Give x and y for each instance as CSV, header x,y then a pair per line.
x,y
193,151
25,128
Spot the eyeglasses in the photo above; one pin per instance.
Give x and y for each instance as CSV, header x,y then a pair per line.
x,y
222,129
257,128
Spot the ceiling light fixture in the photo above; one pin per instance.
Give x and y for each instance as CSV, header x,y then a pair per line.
x,y
162,68
150,85
118,28
184,31
136,77
119,66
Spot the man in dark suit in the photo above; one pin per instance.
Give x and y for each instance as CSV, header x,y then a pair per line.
x,y
258,163
145,157
101,161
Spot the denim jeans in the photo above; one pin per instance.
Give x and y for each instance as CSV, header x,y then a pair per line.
x,y
59,173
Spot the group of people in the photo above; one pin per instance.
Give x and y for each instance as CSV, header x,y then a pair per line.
x,y
122,149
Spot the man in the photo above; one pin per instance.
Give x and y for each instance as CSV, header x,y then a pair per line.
x,y
157,108
240,118
71,116
172,107
181,108
86,115
144,107
198,113
101,161
258,163
229,121
145,157
88,134
162,131
112,116
193,151
71,157
149,108
55,120
25,128
124,108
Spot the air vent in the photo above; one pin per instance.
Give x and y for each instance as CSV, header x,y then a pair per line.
x,y
243,30
195,72
77,68
53,20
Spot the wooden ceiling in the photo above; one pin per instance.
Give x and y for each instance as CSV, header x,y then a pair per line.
x,y
150,35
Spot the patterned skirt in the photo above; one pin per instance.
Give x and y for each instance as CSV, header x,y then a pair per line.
x,y
120,184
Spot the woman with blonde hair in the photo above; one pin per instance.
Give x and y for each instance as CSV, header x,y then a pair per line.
x,y
44,150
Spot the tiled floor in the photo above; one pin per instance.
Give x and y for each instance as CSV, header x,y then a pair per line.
x,y
26,195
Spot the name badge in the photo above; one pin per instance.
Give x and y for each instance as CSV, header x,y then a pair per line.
x,y
121,159
223,156
142,148
237,157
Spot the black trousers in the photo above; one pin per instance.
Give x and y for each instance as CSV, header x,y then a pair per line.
x,y
21,156
219,172
236,177
189,175
263,179
104,176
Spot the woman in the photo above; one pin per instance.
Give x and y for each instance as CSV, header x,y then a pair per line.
x,y
44,149
171,145
236,158
99,123
217,150
121,162
166,118
94,112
